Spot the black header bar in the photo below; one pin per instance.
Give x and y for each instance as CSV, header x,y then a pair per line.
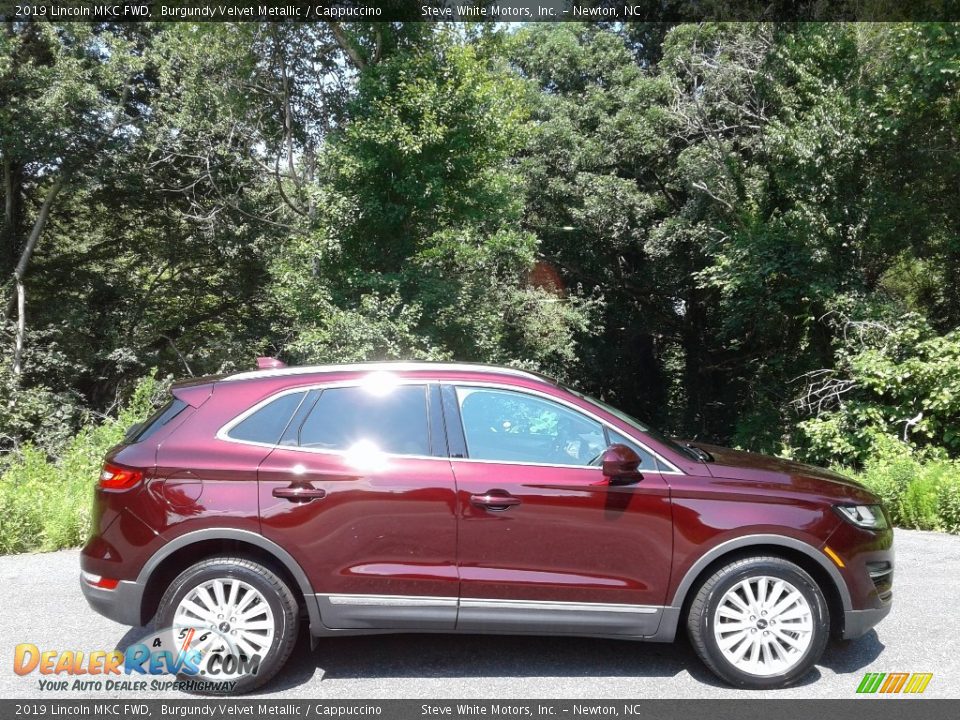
x,y
111,708
480,10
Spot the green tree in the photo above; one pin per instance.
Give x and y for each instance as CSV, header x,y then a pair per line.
x,y
419,250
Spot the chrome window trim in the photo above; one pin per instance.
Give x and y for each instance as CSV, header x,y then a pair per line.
x,y
549,605
223,432
561,401
391,600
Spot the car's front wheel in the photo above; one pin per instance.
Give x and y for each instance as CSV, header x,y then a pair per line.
x,y
239,619
759,622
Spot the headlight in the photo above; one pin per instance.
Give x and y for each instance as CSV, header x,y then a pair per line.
x,y
870,517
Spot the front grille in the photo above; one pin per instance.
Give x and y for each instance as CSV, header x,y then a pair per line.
x,y
881,573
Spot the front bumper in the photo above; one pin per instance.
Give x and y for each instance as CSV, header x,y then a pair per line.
x,y
857,623
122,604
867,568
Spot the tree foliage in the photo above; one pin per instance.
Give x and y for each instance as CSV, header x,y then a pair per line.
x,y
743,233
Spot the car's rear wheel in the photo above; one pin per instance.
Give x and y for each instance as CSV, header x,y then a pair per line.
x,y
759,622
238,616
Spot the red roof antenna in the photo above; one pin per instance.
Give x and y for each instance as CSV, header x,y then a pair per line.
x,y
269,363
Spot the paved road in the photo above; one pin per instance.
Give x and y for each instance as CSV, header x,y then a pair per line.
x,y
41,603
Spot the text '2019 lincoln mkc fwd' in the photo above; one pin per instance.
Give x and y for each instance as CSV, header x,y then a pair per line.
x,y
472,499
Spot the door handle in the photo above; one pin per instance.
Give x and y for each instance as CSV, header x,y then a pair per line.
x,y
299,493
496,501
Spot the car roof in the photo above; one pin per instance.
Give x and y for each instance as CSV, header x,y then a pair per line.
x,y
389,366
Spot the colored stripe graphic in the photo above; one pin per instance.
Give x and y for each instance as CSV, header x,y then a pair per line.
x,y
918,682
870,682
891,683
894,682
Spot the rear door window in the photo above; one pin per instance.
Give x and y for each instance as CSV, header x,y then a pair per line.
x,y
394,422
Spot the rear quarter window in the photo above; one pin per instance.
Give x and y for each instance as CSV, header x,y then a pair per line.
x,y
266,424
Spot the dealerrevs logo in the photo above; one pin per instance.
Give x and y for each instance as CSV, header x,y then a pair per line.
x,y
201,657
892,683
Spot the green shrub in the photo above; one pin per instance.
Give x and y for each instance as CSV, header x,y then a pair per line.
x,y
948,503
45,502
919,489
919,505
893,376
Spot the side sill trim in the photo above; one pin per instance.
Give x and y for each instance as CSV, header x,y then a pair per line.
x,y
373,613
492,603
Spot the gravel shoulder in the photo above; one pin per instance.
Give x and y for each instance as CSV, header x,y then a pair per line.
x,y
42,604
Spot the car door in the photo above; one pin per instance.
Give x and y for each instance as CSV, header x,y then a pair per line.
x,y
545,544
360,491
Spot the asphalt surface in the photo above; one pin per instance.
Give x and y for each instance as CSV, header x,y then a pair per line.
x,y
41,603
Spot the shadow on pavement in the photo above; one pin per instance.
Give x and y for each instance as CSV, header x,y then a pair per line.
x,y
416,656
133,635
477,656
847,656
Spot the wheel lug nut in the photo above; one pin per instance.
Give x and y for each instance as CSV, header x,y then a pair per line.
x,y
763,612
765,632
220,617
753,630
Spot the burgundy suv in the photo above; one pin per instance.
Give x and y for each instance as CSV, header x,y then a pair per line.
x,y
427,497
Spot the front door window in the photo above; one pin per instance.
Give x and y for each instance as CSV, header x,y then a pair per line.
x,y
506,426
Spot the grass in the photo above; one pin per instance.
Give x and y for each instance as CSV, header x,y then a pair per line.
x,y
45,502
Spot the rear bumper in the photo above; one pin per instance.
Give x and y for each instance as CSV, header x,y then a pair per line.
x,y
122,604
857,623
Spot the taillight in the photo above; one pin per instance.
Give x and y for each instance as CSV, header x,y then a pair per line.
x,y
114,477
100,581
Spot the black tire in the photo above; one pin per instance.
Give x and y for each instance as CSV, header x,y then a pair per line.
x,y
282,602
700,620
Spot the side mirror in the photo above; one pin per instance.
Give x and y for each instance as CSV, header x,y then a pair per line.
x,y
620,465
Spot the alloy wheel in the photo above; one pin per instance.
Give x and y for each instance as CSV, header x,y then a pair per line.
x,y
227,615
763,625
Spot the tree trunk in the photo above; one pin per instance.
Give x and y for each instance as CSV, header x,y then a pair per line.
x,y
343,40
21,328
694,360
27,254
12,210
19,295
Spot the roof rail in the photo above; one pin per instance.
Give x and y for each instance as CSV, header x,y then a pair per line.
x,y
397,366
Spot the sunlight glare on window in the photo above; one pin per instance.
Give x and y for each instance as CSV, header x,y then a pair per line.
x,y
380,383
365,455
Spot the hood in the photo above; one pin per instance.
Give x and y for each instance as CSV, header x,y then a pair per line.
x,y
800,477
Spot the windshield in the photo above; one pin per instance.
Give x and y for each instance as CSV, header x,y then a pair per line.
x,y
637,425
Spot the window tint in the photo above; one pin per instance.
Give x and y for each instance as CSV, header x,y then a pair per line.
x,y
156,421
395,422
647,461
267,424
516,427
